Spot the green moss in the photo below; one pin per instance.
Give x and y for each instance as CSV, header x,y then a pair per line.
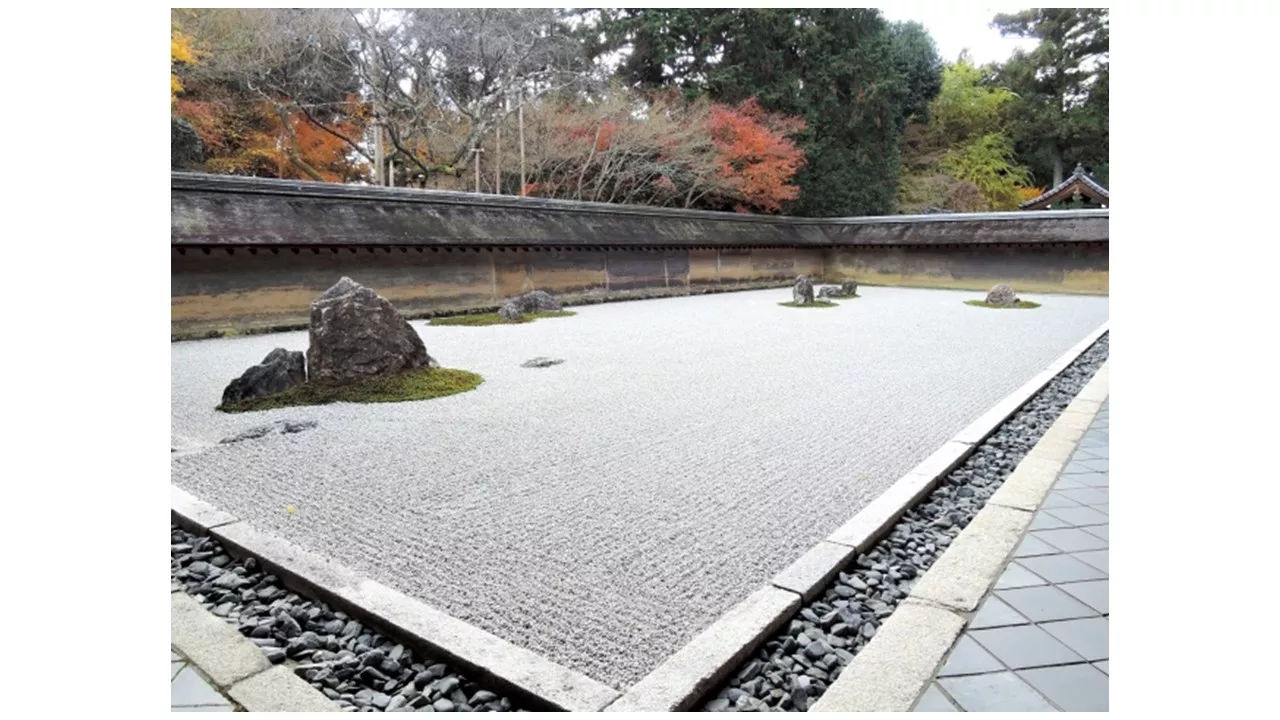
x,y
419,384
814,304
843,297
494,318
1016,305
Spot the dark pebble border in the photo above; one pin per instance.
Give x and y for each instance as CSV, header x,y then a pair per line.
x,y
793,668
352,664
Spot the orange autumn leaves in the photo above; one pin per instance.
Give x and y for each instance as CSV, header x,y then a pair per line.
x,y
623,147
243,134
758,158
665,151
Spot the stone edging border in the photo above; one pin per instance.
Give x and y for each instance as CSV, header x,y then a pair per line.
x,y
897,665
237,666
523,672
683,678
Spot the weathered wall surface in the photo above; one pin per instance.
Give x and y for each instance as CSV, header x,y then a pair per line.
x,y
1051,267
249,254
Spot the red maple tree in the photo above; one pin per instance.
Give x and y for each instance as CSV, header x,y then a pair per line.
x,y
757,155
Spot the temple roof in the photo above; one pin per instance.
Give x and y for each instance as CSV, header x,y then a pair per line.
x,y
1080,181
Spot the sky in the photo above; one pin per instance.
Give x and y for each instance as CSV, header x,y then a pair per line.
x,y
957,26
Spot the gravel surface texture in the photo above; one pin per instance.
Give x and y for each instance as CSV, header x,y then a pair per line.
x,y
792,669
603,512
351,664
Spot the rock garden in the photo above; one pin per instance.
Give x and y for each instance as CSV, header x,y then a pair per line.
x,y
521,309
1002,297
802,294
361,350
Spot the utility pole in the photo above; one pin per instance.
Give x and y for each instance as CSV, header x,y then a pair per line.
x,y
497,152
379,171
475,152
520,112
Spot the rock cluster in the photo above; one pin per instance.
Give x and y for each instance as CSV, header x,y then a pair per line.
x,y
536,301
802,292
355,333
353,665
843,290
1001,295
796,666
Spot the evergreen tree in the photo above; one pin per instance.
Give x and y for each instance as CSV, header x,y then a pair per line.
x,y
1060,117
852,76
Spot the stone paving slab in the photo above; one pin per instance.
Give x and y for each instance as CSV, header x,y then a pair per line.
x,y
191,691
501,506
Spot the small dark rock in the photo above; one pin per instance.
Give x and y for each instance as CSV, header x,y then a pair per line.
x,y
280,370
541,362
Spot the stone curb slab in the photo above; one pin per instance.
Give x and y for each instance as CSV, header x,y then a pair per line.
x,y
869,524
1026,487
896,666
194,515
677,683
279,690
943,460
212,644
475,650
960,577
811,573
1060,433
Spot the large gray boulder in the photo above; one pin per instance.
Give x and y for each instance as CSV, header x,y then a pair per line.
x,y
536,301
1001,295
357,334
802,293
280,370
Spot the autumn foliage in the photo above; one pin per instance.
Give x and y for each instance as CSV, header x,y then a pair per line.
x,y
758,158
667,151
244,133
615,145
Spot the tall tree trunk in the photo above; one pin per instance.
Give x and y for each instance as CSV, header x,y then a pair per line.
x,y
1057,166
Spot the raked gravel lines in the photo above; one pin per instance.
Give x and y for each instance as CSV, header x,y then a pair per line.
x,y
603,511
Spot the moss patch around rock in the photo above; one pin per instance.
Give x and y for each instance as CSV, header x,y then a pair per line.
x,y
419,384
814,304
1016,305
494,318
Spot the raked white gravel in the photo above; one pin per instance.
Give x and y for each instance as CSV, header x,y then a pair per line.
x,y
605,510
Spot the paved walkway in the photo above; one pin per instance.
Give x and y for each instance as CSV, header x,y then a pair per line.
x,y
190,690
1039,640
